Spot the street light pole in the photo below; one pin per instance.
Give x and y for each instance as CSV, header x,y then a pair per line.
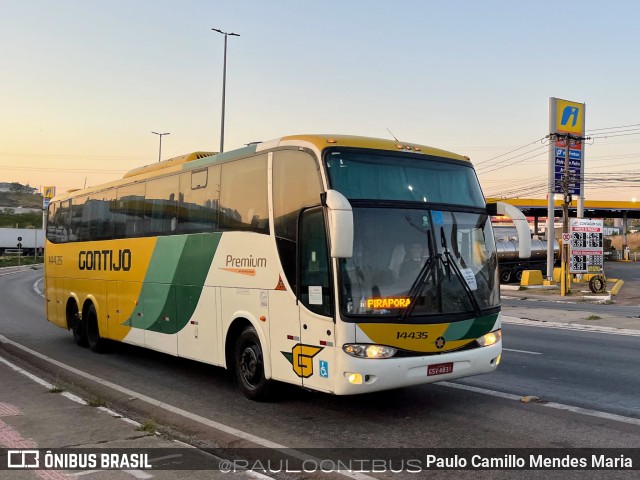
x,y
160,149
224,82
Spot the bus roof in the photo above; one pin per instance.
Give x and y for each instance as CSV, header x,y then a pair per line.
x,y
324,141
319,141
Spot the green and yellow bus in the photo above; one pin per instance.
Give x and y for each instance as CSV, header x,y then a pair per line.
x,y
341,264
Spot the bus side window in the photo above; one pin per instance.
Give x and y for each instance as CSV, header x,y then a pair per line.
x,y
243,195
51,225
296,185
77,205
198,205
62,221
129,218
103,207
161,205
315,284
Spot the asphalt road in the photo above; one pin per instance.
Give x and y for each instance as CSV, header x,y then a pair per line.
x,y
588,370
630,273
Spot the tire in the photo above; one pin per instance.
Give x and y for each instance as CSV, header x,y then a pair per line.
x,y
519,275
598,284
505,275
249,366
96,342
78,329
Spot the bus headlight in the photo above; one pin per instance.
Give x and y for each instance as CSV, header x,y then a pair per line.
x,y
369,351
490,338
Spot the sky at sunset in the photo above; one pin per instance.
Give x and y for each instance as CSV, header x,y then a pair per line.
x,y
84,83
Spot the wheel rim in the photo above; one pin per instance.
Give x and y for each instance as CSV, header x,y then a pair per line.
x,y
250,364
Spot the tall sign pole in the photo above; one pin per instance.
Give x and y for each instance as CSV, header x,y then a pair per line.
x,y
566,172
551,193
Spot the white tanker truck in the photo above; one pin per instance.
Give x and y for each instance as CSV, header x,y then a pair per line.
x,y
511,265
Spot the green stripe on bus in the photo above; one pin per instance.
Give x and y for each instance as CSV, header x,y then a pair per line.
x,y
482,325
173,283
470,329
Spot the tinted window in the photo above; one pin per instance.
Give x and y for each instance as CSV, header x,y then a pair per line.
x,y
198,207
315,291
129,211
103,214
296,185
61,222
78,226
243,195
161,206
51,223
412,178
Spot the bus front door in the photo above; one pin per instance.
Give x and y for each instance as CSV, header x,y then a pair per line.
x,y
317,328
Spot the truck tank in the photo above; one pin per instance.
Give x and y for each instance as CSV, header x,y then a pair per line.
x,y
511,266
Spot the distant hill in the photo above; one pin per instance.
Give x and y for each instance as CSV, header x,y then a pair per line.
x,y
20,199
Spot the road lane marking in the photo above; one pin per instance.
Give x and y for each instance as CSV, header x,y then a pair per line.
x,y
38,380
37,290
571,326
521,351
558,406
483,391
171,408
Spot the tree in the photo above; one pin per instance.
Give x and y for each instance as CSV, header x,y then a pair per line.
x,y
16,187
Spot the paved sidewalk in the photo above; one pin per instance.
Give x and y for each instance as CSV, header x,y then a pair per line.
x,y
33,415
597,316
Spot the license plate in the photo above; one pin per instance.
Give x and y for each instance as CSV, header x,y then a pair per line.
x,y
440,369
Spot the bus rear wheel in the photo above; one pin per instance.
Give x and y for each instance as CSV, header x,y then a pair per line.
x,y
249,366
78,330
96,342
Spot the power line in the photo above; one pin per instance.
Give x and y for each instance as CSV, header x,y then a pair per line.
x,y
612,128
481,171
507,153
50,169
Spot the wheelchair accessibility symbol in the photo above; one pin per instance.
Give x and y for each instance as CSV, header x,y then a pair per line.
x,y
324,369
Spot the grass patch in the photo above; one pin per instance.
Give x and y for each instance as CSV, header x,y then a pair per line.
x,y
56,390
13,261
594,317
96,402
148,426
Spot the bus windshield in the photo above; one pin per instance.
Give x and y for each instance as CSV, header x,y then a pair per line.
x,y
422,245
410,263
409,177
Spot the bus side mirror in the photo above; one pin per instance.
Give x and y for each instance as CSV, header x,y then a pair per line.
x,y
340,218
520,222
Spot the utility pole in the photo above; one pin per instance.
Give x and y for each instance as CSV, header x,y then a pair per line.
x,y
566,200
160,148
224,82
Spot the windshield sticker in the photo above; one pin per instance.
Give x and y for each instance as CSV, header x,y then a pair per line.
x,y
470,278
390,302
315,295
438,219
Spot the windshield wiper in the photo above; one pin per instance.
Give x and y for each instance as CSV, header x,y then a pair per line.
x,y
417,286
452,263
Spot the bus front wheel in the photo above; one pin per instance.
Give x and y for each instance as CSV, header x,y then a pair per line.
x,y
249,366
